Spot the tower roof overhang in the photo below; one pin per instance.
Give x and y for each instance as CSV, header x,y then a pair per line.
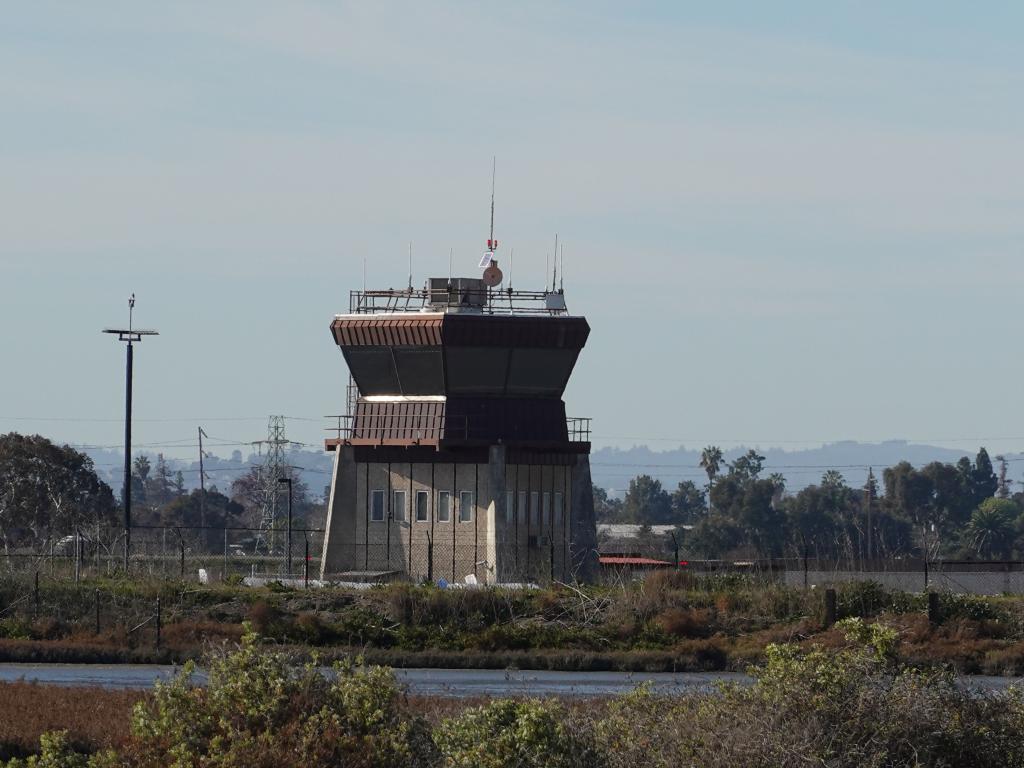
x,y
435,329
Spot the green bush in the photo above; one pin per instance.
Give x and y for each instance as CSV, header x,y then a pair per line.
x,y
15,629
259,710
521,733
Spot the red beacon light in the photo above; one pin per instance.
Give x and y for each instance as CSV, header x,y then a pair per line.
x,y
492,245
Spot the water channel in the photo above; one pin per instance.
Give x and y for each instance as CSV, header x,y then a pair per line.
x,y
459,683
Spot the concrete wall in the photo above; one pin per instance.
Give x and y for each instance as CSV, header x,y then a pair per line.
x,y
546,532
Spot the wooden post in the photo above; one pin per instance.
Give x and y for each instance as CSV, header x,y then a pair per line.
x,y
158,623
830,607
225,576
35,592
97,611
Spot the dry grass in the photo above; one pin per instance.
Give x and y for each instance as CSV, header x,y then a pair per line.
x,y
94,717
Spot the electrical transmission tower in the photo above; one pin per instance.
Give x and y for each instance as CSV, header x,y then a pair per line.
x,y
273,468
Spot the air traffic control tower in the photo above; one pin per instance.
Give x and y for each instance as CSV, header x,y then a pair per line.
x,y
456,458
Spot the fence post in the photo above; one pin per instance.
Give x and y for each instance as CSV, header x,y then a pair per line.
x,y
78,556
675,547
926,573
934,616
158,623
830,607
805,566
225,576
97,611
35,594
181,546
305,568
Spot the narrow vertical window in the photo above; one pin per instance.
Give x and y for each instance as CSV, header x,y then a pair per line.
x,y
377,506
444,506
465,506
522,505
547,510
510,510
399,511
559,508
422,502
534,508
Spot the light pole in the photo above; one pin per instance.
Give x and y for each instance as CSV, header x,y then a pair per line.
x,y
288,532
129,335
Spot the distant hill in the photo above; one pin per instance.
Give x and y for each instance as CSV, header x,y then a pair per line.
x,y
612,468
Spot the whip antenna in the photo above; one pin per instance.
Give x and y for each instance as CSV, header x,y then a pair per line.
x,y
554,265
492,244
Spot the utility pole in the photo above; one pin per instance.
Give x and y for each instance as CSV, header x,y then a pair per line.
x,y
130,336
1003,489
202,483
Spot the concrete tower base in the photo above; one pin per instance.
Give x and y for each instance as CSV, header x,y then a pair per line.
x,y
497,514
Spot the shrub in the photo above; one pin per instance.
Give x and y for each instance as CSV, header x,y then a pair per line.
x,y
259,710
520,733
55,751
263,617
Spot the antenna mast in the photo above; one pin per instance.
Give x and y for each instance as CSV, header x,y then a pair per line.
x,y
554,265
492,243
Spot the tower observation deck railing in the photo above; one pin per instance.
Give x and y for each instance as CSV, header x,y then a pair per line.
x,y
450,427
487,301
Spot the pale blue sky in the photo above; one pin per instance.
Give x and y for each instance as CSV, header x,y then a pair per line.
x,y
787,223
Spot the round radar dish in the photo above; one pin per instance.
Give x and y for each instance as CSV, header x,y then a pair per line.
x,y
492,275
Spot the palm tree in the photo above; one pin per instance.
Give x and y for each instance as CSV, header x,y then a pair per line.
x,y
711,459
990,529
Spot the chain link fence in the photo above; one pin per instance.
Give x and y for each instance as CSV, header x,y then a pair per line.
x,y
903,574
170,552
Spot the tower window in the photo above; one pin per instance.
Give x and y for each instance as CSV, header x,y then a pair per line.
x,y
399,513
422,504
377,506
547,509
535,509
466,507
559,508
444,506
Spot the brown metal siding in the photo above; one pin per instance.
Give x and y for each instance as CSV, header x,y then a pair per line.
x,y
404,422
387,331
